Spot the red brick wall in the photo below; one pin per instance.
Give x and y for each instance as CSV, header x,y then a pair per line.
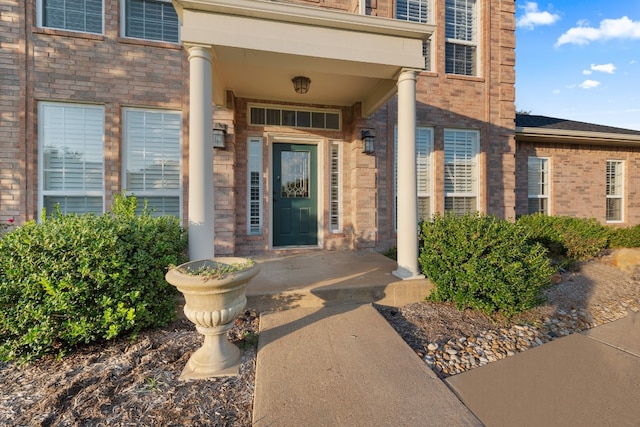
x,y
578,178
66,66
13,153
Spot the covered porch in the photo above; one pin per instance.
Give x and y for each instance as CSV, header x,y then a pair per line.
x,y
253,49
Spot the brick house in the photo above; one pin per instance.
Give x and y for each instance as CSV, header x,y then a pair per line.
x,y
311,106
577,169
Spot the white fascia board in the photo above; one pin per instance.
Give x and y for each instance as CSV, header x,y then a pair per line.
x,y
309,16
576,137
300,40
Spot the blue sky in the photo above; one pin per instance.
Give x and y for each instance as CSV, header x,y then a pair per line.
x,y
579,60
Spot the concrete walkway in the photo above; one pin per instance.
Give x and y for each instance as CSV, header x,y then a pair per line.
x,y
587,379
323,363
345,366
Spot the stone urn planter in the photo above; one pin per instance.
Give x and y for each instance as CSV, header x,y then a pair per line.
x,y
214,292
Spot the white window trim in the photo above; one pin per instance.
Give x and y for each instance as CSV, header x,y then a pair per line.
x,y
156,193
430,11
257,144
475,162
41,133
294,108
40,20
123,25
617,196
338,172
431,171
472,43
547,161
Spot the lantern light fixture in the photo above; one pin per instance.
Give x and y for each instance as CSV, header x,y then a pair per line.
x,y
218,135
301,84
368,141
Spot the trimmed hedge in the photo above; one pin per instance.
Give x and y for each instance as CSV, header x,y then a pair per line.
x,y
484,263
75,279
567,237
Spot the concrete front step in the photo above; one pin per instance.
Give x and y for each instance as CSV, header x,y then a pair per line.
x,y
319,279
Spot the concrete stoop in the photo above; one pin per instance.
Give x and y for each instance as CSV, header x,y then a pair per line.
x,y
323,278
344,365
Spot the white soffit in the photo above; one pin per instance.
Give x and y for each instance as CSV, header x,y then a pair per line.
x,y
259,46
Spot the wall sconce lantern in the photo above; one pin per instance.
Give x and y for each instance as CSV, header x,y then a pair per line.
x,y
368,139
217,135
301,84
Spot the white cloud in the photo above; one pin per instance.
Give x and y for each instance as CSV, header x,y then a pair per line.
x,y
583,34
603,68
533,17
589,84
587,72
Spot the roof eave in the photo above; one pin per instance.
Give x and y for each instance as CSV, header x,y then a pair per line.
x,y
310,16
576,137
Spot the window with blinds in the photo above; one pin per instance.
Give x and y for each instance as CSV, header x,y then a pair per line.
x,y
417,11
461,171
71,157
413,10
538,183
73,15
615,190
152,142
150,20
461,37
424,151
335,182
254,186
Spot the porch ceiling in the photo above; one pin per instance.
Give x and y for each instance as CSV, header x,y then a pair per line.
x,y
259,46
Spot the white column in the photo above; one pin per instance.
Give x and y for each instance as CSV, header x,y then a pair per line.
x,y
201,208
407,179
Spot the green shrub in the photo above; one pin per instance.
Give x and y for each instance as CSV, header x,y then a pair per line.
x,y
75,279
563,236
624,237
484,263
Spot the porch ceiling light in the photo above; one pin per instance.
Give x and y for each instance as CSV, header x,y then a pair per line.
x,y
301,84
217,135
368,140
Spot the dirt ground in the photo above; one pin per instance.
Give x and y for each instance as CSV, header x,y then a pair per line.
x,y
132,383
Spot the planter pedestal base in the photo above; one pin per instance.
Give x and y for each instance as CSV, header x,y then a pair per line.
x,y
216,358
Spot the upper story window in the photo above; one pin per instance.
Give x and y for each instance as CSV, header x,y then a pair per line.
x,y
74,15
413,10
417,11
461,37
150,20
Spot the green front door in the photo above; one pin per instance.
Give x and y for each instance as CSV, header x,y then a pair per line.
x,y
295,195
